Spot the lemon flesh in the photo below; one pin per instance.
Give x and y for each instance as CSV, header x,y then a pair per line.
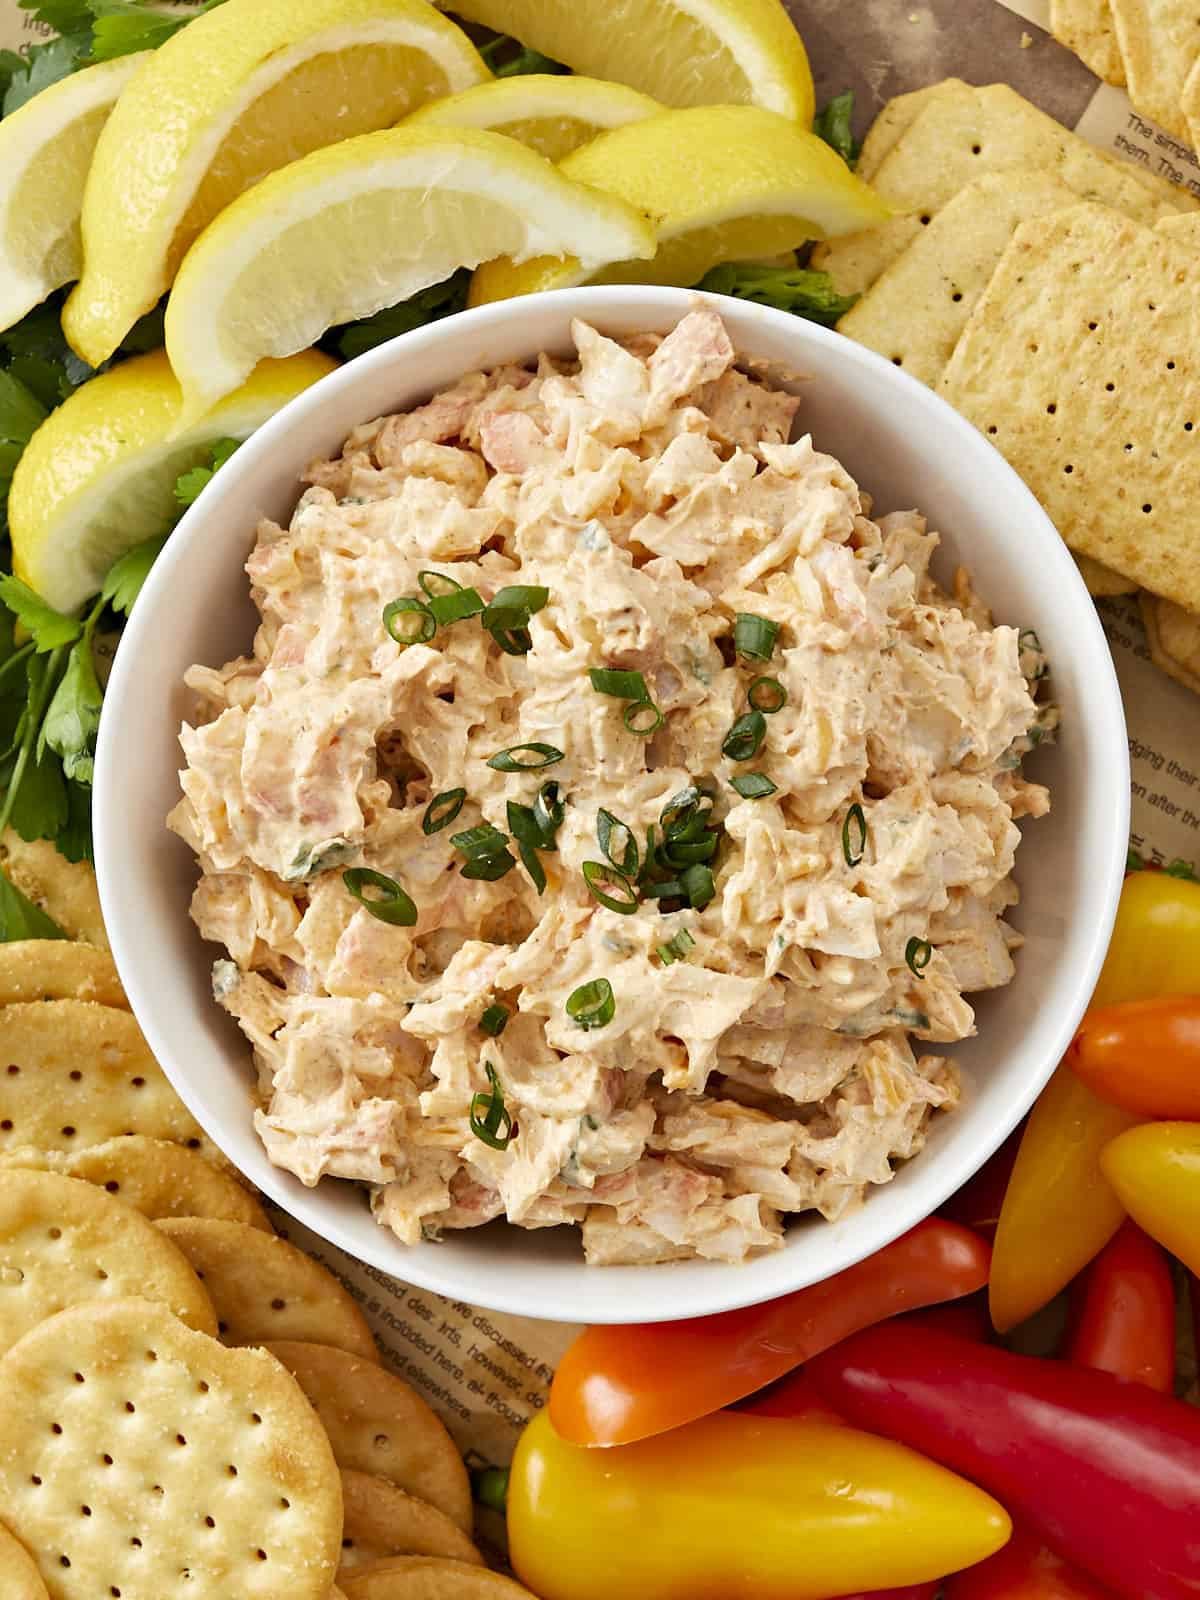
x,y
239,92
45,151
550,113
723,183
363,225
99,475
682,52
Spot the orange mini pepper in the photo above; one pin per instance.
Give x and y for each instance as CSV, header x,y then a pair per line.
x,y
1143,1055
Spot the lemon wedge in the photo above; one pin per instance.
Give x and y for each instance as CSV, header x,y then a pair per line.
x,y
240,91
723,183
99,475
550,113
45,150
683,52
363,225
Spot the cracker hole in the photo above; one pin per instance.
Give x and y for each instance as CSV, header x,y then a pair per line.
x,y
261,1554
156,1488
85,1511
1068,468
202,1386
222,1327
1033,349
130,1407
193,1144
1051,409
55,1233
381,1441
992,429
6,1125
36,1481
56,1427
284,1503
115,1592
1109,387
897,361
67,1133
277,1304
79,1377
135,1542
64,1561
1188,426
956,296
107,1460
976,149
14,1072
1150,306
926,219
1092,326
255,1418
231,1470
138,1083
180,1440
101,1275
1147,508
1128,449
209,1523
76,1076
112,1186
1170,366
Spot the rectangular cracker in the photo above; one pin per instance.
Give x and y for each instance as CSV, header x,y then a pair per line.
x,y
1159,42
894,119
1080,363
915,311
1173,635
1087,28
962,134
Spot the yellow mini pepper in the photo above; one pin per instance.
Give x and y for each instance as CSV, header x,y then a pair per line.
x,y
735,1507
1155,1170
1058,1211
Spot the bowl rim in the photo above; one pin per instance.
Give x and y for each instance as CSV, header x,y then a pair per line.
x,y
961,441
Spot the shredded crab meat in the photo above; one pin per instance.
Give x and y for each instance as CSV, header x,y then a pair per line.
x,y
772,1063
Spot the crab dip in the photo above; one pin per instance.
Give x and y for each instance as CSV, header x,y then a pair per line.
x,y
612,815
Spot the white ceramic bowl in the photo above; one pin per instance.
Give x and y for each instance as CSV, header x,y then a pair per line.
x,y
908,449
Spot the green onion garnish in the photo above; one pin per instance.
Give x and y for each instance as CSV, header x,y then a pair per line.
x,y
409,621
592,1004
454,607
743,739
642,717
506,616
676,948
549,810
698,885
437,583
489,868
754,636
753,785
918,953
494,1021
545,755
486,850
767,695
490,1118
681,817
596,873
617,842
535,869
391,904
665,889
524,826
442,810
623,685
682,852
854,835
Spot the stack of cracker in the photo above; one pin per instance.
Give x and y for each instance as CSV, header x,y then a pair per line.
x,y
1151,48
187,1401
1047,291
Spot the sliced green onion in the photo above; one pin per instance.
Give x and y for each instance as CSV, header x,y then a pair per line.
x,y
650,858
409,621
596,873
533,866
491,1120
753,785
524,825
681,853
526,597
666,889
743,739
623,685
767,695
754,636
507,614
681,812
454,607
698,885
642,717
482,840
494,1021
592,1005
442,810
391,904
437,583
549,810
545,755
676,948
621,850
489,868
918,953
854,835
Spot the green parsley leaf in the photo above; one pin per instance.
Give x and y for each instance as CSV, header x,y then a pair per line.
x,y
189,484
1181,869
74,838
40,806
38,339
832,123
797,289
49,628
73,717
430,305
126,576
21,919
48,63
515,60
20,410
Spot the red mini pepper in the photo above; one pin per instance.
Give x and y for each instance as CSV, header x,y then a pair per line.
x,y
1123,1312
616,1385
1024,1570
1106,1472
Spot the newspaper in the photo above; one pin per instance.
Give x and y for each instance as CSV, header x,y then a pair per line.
x,y
485,1373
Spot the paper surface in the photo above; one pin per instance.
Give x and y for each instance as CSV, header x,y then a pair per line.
x,y
485,1373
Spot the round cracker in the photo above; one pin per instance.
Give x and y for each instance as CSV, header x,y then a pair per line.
x,y
265,1288
19,1577
55,969
428,1578
380,1521
74,1073
142,1459
63,1242
378,1424
65,890
154,1176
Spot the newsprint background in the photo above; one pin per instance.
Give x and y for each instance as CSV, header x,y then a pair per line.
x,y
486,1373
